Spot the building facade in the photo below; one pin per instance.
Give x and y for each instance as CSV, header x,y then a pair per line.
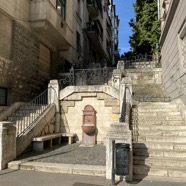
x,y
173,47
40,38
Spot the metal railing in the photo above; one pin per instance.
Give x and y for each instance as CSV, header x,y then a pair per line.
x,y
142,61
93,76
151,98
126,106
25,117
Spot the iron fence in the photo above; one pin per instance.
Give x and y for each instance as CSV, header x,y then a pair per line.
x,y
142,61
93,76
151,98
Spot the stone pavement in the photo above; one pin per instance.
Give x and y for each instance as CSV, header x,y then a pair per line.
x,y
33,178
69,154
72,159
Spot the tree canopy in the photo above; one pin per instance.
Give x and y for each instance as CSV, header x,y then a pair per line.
x,y
145,27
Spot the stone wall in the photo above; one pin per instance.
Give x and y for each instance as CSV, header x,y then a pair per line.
x,y
6,36
147,81
149,76
26,82
49,128
172,46
107,111
4,72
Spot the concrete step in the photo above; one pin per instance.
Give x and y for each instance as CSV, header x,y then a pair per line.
x,y
159,118
161,122
174,139
32,107
168,180
157,104
93,170
22,117
159,114
145,127
151,110
143,170
162,133
159,153
160,146
155,161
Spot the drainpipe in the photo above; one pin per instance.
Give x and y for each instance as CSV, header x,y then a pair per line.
x,y
158,2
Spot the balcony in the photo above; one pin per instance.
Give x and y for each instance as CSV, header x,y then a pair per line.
x,y
93,7
48,24
95,35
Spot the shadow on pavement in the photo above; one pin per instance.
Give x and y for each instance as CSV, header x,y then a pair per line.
x,y
84,184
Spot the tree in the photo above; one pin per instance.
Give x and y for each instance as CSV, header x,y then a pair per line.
x,y
146,28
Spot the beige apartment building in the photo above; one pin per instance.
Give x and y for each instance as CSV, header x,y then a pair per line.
x,y
40,38
173,47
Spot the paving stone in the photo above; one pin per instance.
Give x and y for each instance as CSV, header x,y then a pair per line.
x,y
69,154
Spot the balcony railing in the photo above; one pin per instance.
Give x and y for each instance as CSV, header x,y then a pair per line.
x,y
93,7
92,27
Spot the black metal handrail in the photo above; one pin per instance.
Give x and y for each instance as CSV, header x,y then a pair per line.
x,y
29,113
126,106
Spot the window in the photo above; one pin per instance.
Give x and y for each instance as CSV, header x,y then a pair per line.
x,y
3,96
79,8
182,36
78,43
61,7
44,60
183,50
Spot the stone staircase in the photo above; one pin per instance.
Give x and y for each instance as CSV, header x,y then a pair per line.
x,y
26,115
159,147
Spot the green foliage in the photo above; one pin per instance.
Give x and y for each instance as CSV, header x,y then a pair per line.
x,y
146,28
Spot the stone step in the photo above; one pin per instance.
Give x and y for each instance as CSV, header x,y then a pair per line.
x,y
22,117
144,170
93,170
32,107
160,146
159,114
174,139
151,110
167,127
162,133
160,178
161,122
152,105
155,161
160,118
159,153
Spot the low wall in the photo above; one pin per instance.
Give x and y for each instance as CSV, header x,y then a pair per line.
x,y
106,106
149,76
7,143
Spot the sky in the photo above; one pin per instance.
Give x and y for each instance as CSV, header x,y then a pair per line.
x,y
124,10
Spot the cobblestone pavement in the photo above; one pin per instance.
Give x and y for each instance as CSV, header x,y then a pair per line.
x,y
69,154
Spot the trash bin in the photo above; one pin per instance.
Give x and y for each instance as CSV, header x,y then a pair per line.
x,y
122,159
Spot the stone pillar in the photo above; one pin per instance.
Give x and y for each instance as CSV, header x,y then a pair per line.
x,y
125,88
7,143
121,134
53,97
116,79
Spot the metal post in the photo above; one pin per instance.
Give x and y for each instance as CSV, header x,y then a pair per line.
x,y
113,161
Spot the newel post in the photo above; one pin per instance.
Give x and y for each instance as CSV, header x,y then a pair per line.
x,y
53,97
